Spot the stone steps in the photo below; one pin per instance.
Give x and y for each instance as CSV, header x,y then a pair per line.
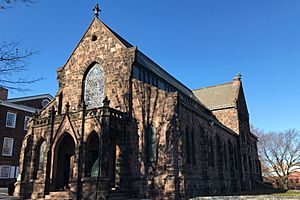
x,y
62,195
117,195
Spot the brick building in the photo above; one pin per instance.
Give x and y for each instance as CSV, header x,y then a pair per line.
x,y
293,181
121,124
14,114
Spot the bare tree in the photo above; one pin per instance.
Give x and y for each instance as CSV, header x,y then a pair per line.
x,y
12,60
4,4
280,154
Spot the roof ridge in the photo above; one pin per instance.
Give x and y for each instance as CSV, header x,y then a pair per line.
x,y
161,68
211,86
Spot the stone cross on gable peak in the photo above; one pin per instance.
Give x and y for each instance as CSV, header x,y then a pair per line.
x,y
96,10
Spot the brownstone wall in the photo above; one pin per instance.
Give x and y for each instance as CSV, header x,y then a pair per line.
x,y
210,170
248,142
152,106
228,117
115,59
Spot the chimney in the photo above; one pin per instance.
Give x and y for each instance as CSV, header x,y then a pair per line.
x,y
237,79
3,93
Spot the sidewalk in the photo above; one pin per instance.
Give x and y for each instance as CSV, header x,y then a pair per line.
x,y
4,195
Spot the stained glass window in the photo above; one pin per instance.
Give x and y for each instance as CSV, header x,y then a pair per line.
x,y
95,169
151,144
42,155
94,87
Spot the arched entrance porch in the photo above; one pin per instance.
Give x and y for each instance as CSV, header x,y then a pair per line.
x,y
64,162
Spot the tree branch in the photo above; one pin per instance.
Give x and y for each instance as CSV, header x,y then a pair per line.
x,y
5,4
279,153
12,62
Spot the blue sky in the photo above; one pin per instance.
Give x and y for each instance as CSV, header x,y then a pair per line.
x,y
200,42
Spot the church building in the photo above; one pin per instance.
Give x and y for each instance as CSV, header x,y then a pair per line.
x,y
120,125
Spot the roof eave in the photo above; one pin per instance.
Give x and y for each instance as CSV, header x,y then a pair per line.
x,y
18,107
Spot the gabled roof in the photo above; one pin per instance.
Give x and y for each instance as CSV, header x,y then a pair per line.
x,y
146,62
218,96
41,96
119,39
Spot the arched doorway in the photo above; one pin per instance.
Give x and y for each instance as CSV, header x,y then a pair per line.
x,y
64,161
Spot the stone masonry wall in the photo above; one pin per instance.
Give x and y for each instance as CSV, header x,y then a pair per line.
x,y
113,57
152,106
212,168
228,117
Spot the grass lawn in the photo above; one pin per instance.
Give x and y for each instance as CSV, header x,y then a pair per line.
x,y
287,193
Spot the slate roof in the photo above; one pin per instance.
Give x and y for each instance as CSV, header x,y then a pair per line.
x,y
218,96
155,68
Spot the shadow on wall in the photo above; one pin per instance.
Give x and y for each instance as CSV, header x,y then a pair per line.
x,y
157,116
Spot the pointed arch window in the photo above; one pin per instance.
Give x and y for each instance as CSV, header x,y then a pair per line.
x,y
211,152
42,151
151,144
92,155
193,147
187,146
40,156
94,87
220,156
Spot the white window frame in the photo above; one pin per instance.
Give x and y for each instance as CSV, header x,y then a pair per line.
x,y
8,173
26,118
11,147
17,172
14,121
12,171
